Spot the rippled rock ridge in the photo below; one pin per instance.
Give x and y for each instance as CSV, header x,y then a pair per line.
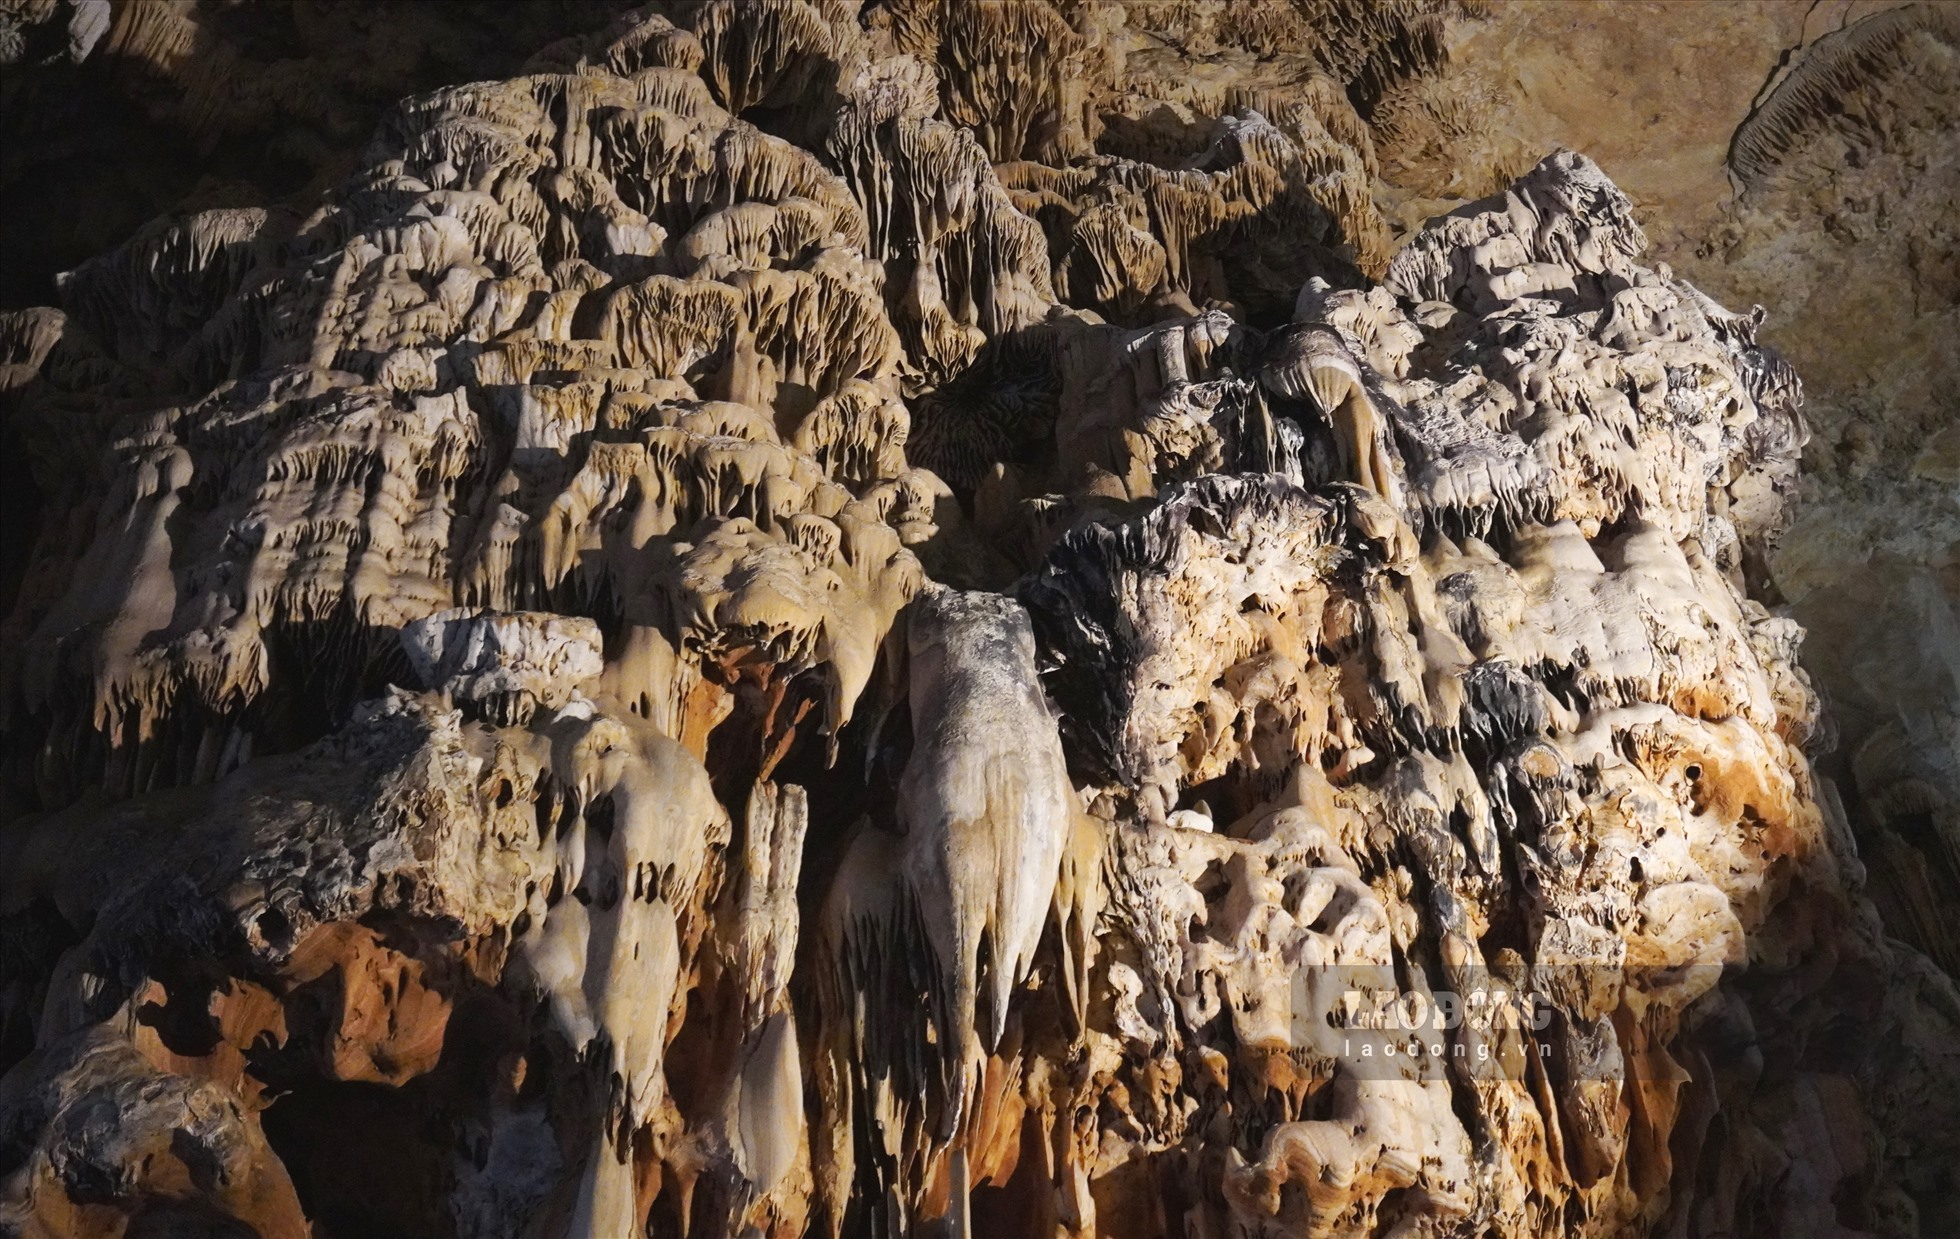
x,y
918,620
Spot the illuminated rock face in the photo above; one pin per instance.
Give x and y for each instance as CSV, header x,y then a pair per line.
x,y
912,622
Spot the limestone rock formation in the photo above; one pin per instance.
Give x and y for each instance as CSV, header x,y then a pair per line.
x,y
805,618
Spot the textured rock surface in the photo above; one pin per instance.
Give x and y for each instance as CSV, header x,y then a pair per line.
x,y
915,619
1800,156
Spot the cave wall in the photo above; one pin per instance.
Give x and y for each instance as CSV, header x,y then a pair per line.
x,y
801,618
1799,156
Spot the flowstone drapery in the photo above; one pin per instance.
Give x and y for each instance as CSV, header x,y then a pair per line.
x,y
913,622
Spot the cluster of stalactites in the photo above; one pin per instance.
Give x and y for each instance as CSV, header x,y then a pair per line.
x,y
1394,646
580,341
1582,385
1402,688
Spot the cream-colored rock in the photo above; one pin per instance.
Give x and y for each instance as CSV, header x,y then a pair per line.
x,y
816,619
